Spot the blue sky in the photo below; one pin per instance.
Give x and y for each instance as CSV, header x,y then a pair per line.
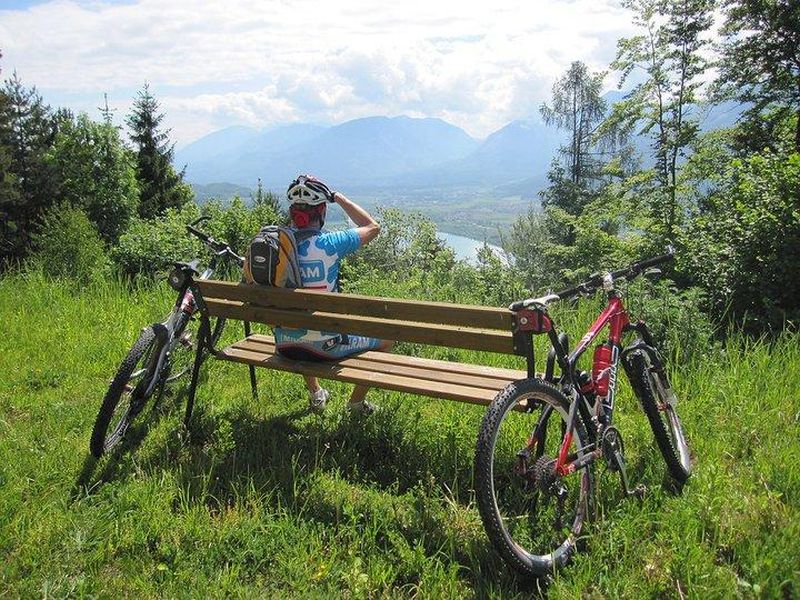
x,y
260,63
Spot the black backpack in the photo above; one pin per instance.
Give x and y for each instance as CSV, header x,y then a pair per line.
x,y
271,259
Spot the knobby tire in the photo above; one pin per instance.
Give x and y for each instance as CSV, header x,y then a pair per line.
x,y
534,562
668,433
101,441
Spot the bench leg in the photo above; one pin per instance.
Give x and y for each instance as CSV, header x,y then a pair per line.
x,y
253,384
198,362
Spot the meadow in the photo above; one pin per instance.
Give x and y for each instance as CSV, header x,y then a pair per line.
x,y
262,498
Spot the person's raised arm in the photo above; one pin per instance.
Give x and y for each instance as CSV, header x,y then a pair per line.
x,y
367,227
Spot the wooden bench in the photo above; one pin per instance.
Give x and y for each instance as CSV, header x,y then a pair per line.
x,y
432,323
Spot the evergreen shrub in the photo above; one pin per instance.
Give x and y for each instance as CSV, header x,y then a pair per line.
x,y
69,245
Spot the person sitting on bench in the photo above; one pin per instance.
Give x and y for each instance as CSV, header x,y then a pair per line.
x,y
319,259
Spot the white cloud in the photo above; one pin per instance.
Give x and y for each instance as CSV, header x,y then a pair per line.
x,y
211,64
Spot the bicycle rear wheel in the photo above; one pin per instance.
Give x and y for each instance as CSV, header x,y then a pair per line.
x,y
124,398
183,353
659,404
532,515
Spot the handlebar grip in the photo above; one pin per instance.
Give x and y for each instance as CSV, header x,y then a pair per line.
x,y
570,292
656,260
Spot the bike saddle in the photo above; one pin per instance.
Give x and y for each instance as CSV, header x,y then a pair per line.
x,y
190,266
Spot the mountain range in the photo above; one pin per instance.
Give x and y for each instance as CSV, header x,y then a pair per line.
x,y
410,156
371,153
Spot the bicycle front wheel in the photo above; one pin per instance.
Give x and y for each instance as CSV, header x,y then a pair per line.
x,y
659,404
124,398
533,516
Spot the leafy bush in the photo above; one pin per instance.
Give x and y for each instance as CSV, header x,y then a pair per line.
x,y
237,222
151,246
69,245
681,329
744,245
605,236
407,243
407,253
94,170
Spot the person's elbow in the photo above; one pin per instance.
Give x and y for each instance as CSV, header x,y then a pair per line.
x,y
367,233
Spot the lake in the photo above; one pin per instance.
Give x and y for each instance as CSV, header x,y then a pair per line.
x,y
466,248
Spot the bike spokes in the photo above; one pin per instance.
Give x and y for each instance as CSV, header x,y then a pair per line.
x,y
537,506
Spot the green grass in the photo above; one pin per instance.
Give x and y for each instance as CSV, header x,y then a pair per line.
x,y
264,499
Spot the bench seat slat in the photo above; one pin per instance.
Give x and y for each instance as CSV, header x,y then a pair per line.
x,y
447,366
424,333
350,371
358,376
366,362
444,313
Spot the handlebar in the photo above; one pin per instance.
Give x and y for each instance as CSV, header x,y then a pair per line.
x,y
222,249
587,287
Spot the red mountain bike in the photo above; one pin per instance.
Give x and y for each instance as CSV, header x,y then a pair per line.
x,y
542,435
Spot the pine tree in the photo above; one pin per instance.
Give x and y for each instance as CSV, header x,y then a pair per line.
x,y
578,108
27,130
267,199
161,187
106,112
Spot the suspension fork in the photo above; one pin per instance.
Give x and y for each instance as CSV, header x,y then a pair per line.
x,y
646,345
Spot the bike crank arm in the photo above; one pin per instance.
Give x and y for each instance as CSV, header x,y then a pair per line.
x,y
639,490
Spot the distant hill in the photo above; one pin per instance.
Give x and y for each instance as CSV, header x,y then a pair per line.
x,y
376,153
221,191
400,159
241,154
519,151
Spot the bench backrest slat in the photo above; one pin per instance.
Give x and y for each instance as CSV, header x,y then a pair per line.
x,y
443,313
454,336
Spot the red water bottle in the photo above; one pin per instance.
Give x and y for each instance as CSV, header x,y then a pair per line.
x,y
601,368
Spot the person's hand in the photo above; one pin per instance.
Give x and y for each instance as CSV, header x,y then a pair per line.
x,y
317,185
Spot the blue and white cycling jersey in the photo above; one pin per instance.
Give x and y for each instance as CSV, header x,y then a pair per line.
x,y
319,257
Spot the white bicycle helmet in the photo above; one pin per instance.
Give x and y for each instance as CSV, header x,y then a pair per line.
x,y
307,189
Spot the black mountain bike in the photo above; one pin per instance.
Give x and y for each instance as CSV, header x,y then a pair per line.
x,y
163,353
542,435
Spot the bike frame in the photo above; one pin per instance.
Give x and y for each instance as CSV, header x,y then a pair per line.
x,y
614,317
169,331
